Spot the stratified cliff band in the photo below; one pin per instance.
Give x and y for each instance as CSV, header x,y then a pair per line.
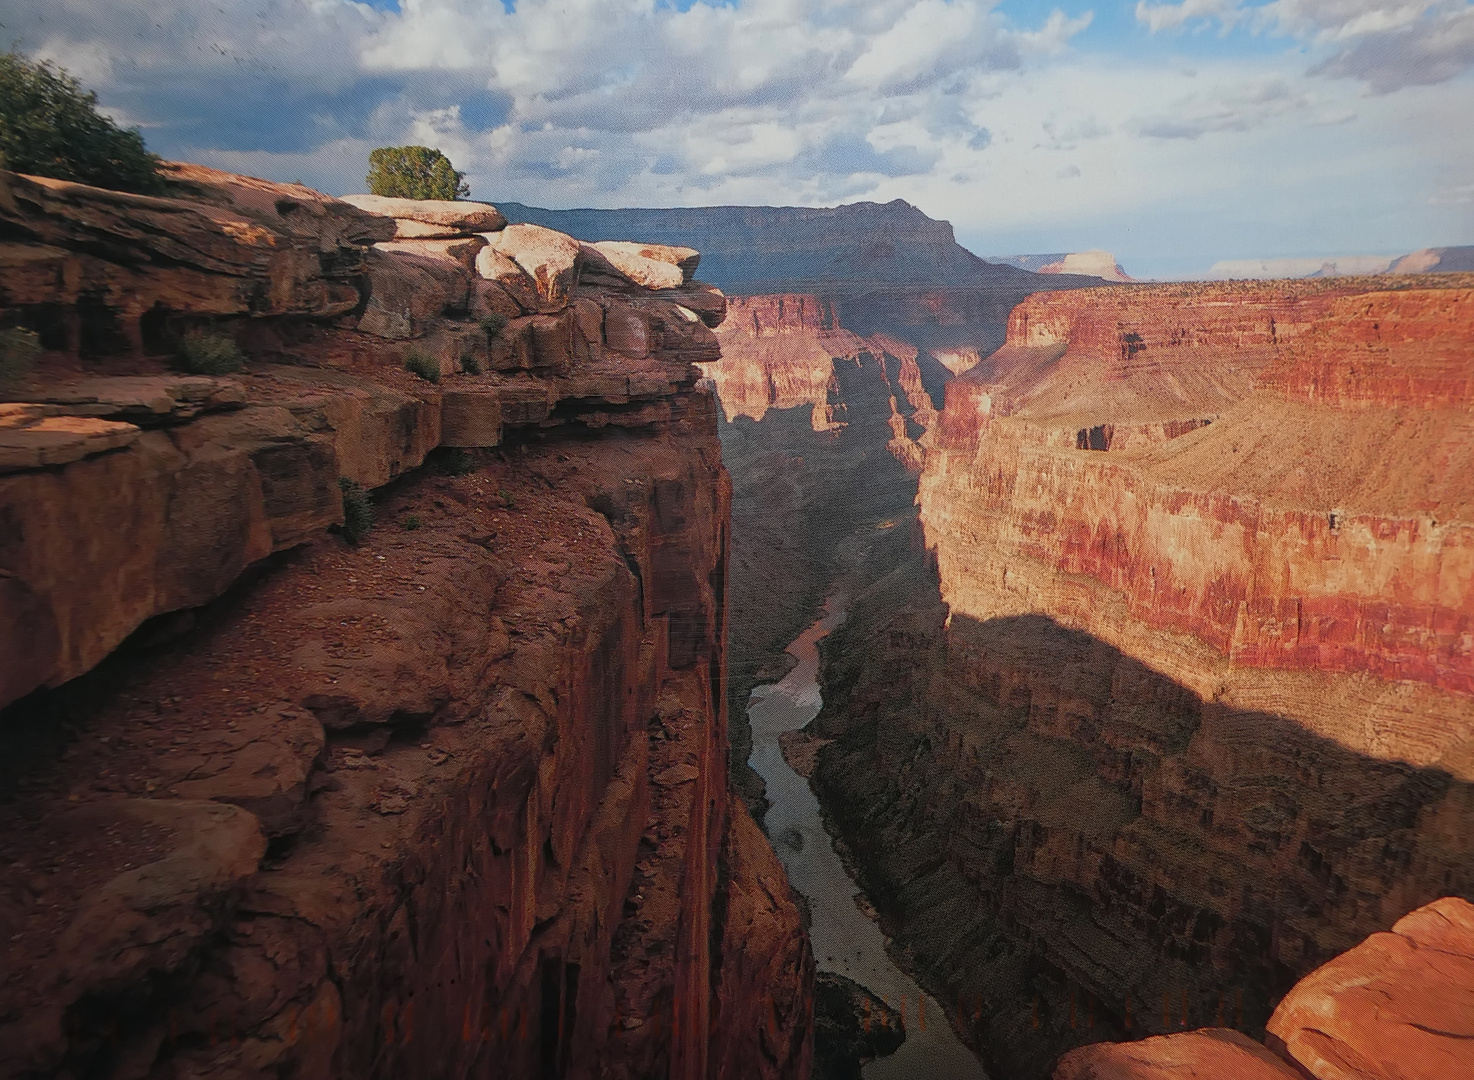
x,y
1182,708
449,801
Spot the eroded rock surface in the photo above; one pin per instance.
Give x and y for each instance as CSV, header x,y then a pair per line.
x,y
448,802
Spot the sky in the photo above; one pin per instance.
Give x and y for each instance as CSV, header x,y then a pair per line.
x,y
1179,136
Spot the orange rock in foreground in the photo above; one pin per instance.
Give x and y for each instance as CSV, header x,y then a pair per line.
x,y
1194,1055
1400,1005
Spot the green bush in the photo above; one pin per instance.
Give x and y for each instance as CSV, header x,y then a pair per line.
x,y
470,364
411,523
203,353
18,352
450,461
493,324
50,126
358,510
414,172
422,364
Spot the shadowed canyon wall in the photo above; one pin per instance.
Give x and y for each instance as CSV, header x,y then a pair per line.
x,y
449,800
1180,707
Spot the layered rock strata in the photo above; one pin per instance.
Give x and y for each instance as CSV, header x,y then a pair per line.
x,y
789,351
448,802
1181,709
1281,518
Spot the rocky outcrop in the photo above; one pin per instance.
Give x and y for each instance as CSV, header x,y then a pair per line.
x,y
435,219
1178,713
1401,1004
450,801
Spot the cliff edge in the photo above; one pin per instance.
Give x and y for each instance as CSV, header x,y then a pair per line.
x,y
441,797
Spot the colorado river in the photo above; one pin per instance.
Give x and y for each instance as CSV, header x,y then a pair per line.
x,y
844,939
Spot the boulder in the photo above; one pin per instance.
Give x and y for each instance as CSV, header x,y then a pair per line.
x,y
1206,1054
511,350
496,266
492,298
461,251
265,773
409,292
292,210
143,926
1399,1005
588,321
654,266
432,218
145,400
550,258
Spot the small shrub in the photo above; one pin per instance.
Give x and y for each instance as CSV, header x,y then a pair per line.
x,y
414,172
18,352
452,461
411,523
422,364
493,324
507,501
469,364
202,353
358,510
50,126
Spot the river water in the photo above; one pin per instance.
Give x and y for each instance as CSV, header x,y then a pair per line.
x,y
845,940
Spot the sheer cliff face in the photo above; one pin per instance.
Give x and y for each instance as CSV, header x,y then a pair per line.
x,y
1185,710
1307,552
448,802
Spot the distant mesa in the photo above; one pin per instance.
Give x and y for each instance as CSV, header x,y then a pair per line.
x,y
755,250
1436,260
1428,260
1093,263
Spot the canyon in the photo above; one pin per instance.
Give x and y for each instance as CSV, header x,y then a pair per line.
x,y
287,794
1147,731
1166,702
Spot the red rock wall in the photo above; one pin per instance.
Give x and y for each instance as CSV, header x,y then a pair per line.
x,y
1292,496
451,801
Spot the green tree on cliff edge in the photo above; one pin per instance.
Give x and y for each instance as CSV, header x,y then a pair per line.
x,y
50,126
414,172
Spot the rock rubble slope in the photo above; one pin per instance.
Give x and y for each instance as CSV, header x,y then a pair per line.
x,y
447,802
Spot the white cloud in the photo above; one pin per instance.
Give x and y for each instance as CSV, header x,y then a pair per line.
x,y
1387,45
1008,127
